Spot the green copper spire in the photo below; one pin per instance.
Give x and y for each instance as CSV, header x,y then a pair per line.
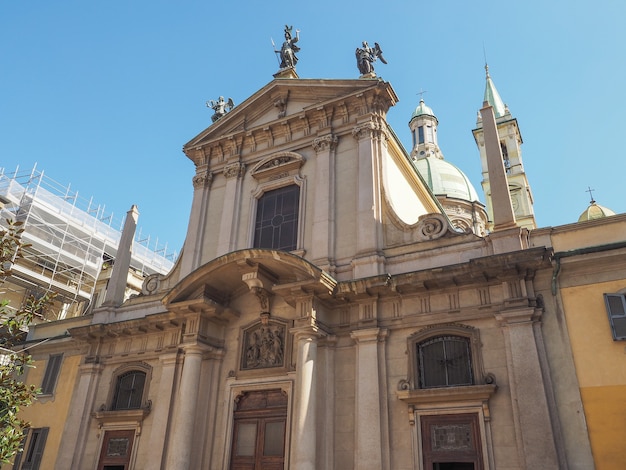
x,y
493,97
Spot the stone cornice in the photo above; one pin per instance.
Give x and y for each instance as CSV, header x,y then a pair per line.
x,y
246,129
430,397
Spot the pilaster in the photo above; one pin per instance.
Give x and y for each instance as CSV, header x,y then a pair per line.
x,y
367,261
192,254
370,447
75,433
233,173
536,442
161,411
323,245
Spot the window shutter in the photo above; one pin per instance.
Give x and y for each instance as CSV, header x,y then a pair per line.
x,y
52,374
616,308
35,449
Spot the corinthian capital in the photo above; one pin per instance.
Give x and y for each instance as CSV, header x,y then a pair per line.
x,y
234,170
202,179
326,142
370,129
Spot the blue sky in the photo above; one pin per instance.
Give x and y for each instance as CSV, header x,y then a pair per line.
x,y
103,95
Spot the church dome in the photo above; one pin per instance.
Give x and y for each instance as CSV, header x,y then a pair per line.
x,y
595,211
422,110
444,178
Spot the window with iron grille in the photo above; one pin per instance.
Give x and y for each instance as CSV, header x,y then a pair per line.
x,y
129,390
276,224
444,361
616,308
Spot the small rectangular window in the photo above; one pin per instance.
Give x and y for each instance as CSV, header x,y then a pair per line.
x,y
52,374
616,308
420,135
34,452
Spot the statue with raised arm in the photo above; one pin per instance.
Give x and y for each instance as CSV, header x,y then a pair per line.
x,y
366,56
221,107
288,50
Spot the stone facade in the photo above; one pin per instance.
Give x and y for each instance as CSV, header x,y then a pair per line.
x,y
383,338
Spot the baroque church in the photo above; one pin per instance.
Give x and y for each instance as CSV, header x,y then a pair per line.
x,y
343,303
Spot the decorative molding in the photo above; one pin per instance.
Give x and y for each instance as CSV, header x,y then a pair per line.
x,y
282,163
447,395
151,284
202,179
431,227
234,170
326,142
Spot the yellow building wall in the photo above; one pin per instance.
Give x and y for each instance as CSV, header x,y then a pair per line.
x,y
601,368
51,411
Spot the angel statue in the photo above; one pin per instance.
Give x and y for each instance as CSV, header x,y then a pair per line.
x,y
366,56
221,107
288,50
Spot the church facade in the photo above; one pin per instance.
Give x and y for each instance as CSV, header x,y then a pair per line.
x,y
326,312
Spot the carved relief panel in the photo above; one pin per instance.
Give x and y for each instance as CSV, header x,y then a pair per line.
x,y
265,345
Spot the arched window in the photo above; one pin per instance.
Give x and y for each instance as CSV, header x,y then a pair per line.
x,y
129,390
444,361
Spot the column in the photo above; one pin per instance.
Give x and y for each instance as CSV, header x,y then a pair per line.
x,y
230,212
528,394
368,452
75,431
304,416
322,247
161,411
180,446
191,256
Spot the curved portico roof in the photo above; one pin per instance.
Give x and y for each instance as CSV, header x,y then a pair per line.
x,y
238,271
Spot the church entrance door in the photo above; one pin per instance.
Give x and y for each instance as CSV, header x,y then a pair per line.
x,y
259,431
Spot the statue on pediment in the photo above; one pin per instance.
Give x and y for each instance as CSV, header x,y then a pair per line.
x,y
288,58
221,107
366,56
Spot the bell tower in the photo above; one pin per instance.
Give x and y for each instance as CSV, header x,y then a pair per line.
x,y
510,145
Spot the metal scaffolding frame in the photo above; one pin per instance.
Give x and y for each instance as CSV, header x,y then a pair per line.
x,y
70,238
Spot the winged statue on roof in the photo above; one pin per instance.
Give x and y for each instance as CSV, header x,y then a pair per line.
x,y
366,56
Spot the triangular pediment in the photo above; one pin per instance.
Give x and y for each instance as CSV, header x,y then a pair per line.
x,y
297,107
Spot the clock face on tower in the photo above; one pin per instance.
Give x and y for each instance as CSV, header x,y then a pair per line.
x,y
515,202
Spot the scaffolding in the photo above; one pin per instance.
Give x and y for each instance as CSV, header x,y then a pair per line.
x,y
70,239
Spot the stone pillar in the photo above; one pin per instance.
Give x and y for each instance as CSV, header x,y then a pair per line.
x,y
116,287
75,432
181,438
367,260
230,212
161,411
192,253
503,216
536,443
304,416
322,247
368,452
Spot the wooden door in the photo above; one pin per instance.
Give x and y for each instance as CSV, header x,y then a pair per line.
x,y
259,431
116,450
451,442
